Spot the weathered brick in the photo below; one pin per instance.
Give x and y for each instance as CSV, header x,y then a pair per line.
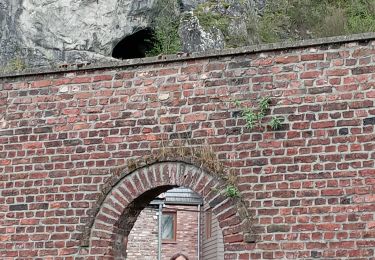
x,y
42,130
369,121
18,207
278,228
240,64
287,59
311,57
320,90
67,141
262,79
310,74
72,142
363,70
337,72
192,69
41,83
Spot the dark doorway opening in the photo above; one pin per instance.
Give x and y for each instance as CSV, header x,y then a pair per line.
x,y
135,45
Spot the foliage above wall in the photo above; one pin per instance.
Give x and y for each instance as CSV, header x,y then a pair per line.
x,y
165,23
208,24
15,65
237,20
304,19
290,19
243,23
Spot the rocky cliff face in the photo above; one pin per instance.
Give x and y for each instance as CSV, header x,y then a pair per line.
x,y
69,31
9,41
46,32
197,39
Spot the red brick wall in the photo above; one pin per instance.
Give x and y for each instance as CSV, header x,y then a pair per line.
x,y
143,239
310,184
186,233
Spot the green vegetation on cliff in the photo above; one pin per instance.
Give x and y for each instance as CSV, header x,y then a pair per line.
x,y
15,65
288,19
237,20
165,23
280,20
304,19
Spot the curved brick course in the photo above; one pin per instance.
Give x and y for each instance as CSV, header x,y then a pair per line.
x,y
153,180
309,185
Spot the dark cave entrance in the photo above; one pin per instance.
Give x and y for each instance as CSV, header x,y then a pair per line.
x,y
135,45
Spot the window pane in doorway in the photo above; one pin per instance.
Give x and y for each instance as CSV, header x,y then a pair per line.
x,y
168,232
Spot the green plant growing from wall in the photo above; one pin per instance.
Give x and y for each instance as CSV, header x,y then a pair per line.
x,y
254,118
232,191
264,106
276,122
251,118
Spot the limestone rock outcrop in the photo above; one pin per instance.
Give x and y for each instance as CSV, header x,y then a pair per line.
x,y
71,31
195,39
51,32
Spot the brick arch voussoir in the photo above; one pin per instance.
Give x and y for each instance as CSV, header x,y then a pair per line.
x,y
122,189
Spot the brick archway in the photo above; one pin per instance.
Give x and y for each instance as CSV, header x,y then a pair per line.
x,y
132,191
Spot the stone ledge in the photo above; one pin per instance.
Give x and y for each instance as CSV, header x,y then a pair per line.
x,y
191,56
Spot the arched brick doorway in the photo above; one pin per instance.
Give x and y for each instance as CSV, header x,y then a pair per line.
x,y
114,217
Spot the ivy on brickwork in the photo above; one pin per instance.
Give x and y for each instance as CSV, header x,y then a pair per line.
x,y
254,117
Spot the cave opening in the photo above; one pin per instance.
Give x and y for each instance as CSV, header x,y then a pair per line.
x,y
135,45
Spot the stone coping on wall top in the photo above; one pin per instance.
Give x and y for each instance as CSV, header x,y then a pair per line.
x,y
191,56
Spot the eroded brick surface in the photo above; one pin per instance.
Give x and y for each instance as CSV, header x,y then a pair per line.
x,y
309,184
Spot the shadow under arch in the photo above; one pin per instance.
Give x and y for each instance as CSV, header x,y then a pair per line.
x,y
126,195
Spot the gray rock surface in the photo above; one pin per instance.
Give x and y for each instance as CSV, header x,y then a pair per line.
x,y
189,5
53,32
9,40
71,31
239,17
195,39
